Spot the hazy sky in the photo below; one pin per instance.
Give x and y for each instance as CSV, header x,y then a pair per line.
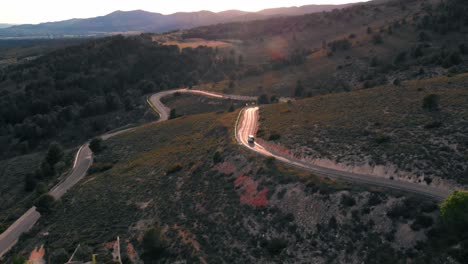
x,y
36,11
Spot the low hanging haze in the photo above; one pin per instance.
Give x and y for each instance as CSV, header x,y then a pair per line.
x,y
38,11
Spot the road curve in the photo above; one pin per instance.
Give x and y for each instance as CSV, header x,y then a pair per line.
x,y
82,162
248,124
84,159
163,111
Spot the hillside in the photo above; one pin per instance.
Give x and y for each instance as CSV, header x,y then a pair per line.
x,y
207,200
386,130
139,21
5,25
96,86
373,89
362,46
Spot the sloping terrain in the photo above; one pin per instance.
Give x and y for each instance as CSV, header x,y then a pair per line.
x,y
73,94
184,191
362,46
189,104
139,21
210,201
385,129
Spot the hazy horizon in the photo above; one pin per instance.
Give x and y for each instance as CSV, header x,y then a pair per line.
x,y
22,12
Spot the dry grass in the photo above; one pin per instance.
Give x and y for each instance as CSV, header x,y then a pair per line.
x,y
347,127
193,43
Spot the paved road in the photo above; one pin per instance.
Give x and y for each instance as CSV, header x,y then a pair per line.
x,y
84,160
248,124
164,111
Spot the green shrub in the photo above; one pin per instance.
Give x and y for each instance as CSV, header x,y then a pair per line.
x,y
54,154
406,209
377,39
342,44
432,125
270,160
59,256
45,204
99,167
276,245
175,168
19,259
347,200
95,145
172,114
422,221
381,139
454,211
274,136
263,99
217,157
153,245
431,102
30,182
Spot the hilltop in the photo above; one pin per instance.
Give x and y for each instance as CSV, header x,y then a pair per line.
x,y
140,21
359,47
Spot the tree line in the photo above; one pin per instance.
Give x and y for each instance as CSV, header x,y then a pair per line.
x,y
41,99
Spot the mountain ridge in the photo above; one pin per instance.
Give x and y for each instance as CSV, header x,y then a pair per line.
x,y
145,21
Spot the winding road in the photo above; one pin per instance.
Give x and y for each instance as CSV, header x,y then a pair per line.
x,y
247,125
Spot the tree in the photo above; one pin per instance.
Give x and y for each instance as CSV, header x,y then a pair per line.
x,y
153,245
241,60
263,99
19,259
30,182
84,253
54,154
299,90
431,102
374,62
95,145
377,39
172,114
45,203
47,170
59,256
454,211
276,245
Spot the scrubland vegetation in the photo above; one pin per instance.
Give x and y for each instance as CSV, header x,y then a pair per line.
x,y
376,83
223,204
420,127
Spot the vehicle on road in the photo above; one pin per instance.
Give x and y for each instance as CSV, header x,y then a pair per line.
x,y
251,139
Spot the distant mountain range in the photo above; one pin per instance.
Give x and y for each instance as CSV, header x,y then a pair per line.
x,y
143,21
5,25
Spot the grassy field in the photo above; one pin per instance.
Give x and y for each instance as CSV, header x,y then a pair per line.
x,y
380,126
189,104
216,202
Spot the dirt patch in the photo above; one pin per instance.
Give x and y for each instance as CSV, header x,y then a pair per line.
x,y
249,194
37,256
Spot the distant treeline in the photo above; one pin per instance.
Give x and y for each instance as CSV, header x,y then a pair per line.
x,y
51,96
